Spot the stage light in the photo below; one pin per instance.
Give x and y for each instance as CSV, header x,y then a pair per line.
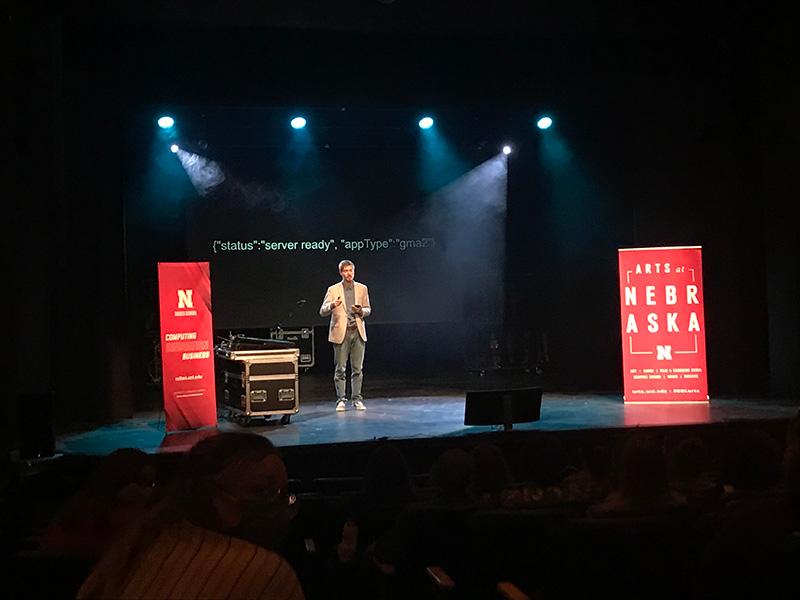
x,y
544,123
166,122
506,150
174,148
425,123
298,123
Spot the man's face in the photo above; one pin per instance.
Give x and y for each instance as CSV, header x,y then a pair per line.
x,y
347,272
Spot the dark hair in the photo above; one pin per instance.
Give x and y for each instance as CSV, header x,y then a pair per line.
x,y
387,478
490,471
189,498
193,496
543,459
642,468
99,496
120,468
689,458
451,474
752,460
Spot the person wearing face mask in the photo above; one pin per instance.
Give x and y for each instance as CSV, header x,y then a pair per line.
x,y
215,535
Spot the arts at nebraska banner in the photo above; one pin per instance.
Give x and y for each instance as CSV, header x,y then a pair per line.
x,y
187,350
663,327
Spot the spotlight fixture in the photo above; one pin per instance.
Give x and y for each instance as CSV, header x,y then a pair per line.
x,y
425,123
544,122
166,122
174,148
298,122
506,149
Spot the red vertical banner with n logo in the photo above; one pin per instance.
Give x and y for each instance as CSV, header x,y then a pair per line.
x,y
663,325
187,349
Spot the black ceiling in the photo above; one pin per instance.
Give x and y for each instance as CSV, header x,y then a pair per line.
x,y
627,17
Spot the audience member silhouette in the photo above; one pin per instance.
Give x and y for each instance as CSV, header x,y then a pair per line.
x,y
642,486
752,465
592,482
386,490
421,527
387,477
543,466
451,476
210,537
691,473
756,549
116,494
490,474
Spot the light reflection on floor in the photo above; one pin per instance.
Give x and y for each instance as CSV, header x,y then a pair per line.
x,y
666,414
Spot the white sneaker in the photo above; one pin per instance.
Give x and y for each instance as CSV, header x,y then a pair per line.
x,y
340,406
359,405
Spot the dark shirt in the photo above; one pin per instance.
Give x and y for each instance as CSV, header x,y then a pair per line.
x,y
349,301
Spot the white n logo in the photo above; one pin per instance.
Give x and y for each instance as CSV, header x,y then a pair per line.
x,y
663,352
185,299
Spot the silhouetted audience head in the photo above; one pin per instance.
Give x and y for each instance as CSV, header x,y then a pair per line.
x,y
230,485
752,461
543,460
592,482
642,475
236,483
490,472
451,474
121,468
693,474
116,493
597,462
387,478
689,459
753,552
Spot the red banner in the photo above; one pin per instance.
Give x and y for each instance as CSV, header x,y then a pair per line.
x,y
187,348
663,326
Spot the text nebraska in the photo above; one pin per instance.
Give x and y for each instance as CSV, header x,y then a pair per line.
x,y
671,298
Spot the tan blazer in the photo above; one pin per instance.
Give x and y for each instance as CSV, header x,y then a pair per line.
x,y
338,325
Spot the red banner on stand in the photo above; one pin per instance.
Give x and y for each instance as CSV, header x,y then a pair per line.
x,y
187,348
663,325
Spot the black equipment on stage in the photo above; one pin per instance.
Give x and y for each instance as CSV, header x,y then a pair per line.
x,y
302,337
503,407
240,342
258,377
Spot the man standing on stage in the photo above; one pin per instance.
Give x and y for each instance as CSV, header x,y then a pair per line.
x,y
347,302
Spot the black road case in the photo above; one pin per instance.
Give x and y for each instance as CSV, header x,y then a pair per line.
x,y
257,383
303,338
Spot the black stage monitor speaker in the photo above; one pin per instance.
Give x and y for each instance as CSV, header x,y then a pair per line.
x,y
503,407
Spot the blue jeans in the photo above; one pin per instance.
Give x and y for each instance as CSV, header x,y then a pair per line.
x,y
352,347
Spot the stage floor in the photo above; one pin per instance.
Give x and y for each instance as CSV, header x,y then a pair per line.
x,y
433,409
